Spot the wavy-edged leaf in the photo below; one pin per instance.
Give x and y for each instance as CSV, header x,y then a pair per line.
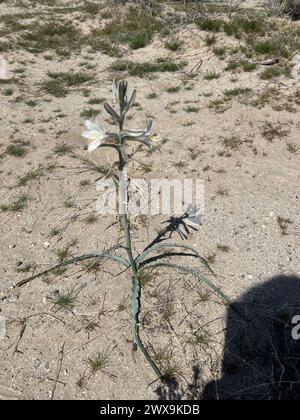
x,y
122,93
103,254
206,281
142,139
142,256
195,273
130,102
149,127
112,112
135,309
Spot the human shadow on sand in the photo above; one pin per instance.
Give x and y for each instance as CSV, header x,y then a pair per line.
x,y
262,356
261,359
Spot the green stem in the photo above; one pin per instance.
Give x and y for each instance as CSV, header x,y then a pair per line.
x,y
135,282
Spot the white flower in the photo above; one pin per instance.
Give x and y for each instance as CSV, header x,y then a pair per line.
x,y
94,132
140,134
194,216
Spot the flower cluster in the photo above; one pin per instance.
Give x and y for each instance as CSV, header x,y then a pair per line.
x,y
100,137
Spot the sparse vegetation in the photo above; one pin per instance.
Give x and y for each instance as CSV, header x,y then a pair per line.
x,y
236,91
62,149
16,150
60,37
283,223
25,268
97,362
210,39
59,83
174,44
231,142
173,89
96,101
223,248
31,175
270,131
89,113
142,69
211,75
292,147
220,83
64,301
211,25
272,72
219,51
8,92
91,219
16,205
152,95
190,108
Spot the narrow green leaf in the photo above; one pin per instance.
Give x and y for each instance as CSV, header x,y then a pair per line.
x,y
206,281
111,112
130,102
103,254
195,273
135,309
142,256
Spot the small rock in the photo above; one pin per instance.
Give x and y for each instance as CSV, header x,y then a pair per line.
x,y
18,263
271,214
46,244
12,298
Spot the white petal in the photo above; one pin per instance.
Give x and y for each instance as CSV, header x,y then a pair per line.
x,y
94,135
149,127
94,145
195,216
194,221
134,133
93,125
86,134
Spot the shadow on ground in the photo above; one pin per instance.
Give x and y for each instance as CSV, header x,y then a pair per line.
x,y
261,355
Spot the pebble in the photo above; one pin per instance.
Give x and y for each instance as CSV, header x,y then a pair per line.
x,y
46,244
12,298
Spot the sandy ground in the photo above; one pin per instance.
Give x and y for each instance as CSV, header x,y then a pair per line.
x,y
246,189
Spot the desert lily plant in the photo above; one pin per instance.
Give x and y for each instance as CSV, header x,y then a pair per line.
x,y
151,256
